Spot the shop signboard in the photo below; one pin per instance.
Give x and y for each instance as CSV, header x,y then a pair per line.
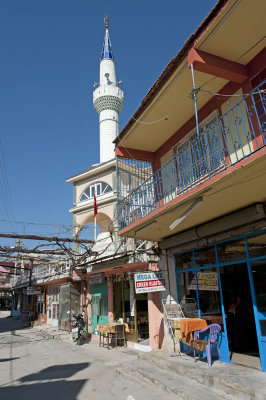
x,y
206,281
96,279
33,290
149,282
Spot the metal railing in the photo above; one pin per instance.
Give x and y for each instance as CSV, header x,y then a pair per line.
x,y
239,132
48,270
111,246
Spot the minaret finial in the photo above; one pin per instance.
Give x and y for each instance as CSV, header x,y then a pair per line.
x,y
106,22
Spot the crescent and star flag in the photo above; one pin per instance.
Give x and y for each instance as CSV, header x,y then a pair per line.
x,y
95,208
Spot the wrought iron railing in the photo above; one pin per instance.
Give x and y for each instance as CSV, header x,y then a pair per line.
x,y
239,132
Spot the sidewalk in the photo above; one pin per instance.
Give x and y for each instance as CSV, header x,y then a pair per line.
x,y
52,332
176,376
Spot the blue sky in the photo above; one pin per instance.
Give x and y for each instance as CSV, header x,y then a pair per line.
x,y
50,52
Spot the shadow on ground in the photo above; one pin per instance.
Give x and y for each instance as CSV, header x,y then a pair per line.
x,y
55,387
61,389
10,324
55,372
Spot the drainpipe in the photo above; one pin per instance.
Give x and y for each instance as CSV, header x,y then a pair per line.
x,y
194,97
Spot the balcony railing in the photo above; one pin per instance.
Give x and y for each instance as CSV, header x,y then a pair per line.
x,y
50,270
239,132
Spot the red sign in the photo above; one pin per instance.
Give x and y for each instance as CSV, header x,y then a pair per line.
x,y
149,282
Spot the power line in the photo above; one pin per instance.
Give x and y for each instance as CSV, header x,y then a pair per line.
x,y
235,61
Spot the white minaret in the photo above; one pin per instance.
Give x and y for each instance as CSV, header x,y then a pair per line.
x,y
108,100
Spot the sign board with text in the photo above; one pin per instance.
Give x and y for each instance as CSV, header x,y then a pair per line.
x,y
33,290
149,282
96,279
206,281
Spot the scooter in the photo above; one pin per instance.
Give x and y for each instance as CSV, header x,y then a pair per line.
x,y
79,331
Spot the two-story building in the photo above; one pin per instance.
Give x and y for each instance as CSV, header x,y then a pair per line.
x,y
201,130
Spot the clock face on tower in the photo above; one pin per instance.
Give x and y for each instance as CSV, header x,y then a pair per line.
x,y
97,188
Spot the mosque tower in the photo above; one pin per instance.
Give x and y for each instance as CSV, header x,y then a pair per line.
x,y
108,100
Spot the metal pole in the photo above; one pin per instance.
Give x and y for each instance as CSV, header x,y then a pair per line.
x,y
95,228
194,96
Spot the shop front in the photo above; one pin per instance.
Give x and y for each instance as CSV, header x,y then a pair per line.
x,y
134,297
62,302
225,283
99,300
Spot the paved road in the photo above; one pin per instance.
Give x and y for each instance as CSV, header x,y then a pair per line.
x,y
34,367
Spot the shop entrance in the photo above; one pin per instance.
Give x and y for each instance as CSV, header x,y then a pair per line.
x,y
53,305
132,309
240,321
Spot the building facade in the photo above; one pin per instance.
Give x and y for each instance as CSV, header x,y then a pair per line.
x,y
113,261
203,199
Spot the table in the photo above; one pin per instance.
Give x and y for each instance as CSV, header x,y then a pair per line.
x,y
108,329
214,319
188,326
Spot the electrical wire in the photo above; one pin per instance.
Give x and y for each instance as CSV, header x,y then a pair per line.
x,y
235,61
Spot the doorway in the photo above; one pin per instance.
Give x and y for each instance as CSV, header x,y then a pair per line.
x,y
53,305
240,321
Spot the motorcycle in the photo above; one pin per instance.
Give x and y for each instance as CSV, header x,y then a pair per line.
x,y
79,331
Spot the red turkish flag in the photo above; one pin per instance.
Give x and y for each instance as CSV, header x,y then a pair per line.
x,y
95,208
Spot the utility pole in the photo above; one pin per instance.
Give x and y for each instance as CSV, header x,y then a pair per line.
x,y
17,256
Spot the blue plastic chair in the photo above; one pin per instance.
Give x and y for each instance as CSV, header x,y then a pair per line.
x,y
212,339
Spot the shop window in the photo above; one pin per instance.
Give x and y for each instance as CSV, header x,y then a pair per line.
x,y
41,303
231,251
187,293
259,279
64,303
205,256
257,246
184,261
104,305
209,295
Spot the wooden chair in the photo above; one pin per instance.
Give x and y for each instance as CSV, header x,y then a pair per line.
x,y
120,334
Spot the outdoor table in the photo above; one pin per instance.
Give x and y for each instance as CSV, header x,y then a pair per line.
x,y
108,329
213,319
188,326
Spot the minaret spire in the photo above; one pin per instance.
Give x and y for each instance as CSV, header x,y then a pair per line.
x,y
108,99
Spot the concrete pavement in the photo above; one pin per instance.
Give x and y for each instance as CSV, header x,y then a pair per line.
x,y
44,363
34,367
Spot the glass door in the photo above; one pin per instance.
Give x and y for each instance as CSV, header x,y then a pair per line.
x,y
258,271
53,305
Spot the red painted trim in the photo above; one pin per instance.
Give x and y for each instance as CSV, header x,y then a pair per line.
x,y
195,190
217,66
257,64
134,154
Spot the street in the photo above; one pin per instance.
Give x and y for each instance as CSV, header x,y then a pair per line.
x,y
34,367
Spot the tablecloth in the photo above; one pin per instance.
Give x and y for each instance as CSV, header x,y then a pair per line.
x,y
190,325
104,329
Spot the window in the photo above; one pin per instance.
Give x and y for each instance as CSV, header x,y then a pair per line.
x,y
197,156
99,188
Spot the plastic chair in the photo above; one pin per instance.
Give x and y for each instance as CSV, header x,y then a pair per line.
x,y
212,339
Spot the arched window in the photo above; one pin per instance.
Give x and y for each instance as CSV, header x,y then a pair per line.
x,y
99,188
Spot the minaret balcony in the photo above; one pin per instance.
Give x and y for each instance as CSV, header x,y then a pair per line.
x,y
108,98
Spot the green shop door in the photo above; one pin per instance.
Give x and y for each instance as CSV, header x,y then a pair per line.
x,y
99,304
